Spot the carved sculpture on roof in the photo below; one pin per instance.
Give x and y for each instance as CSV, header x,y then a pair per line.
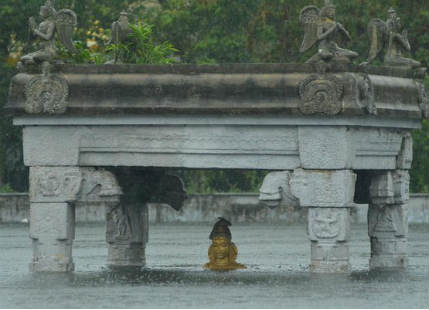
x,y
390,36
46,93
59,24
321,27
321,94
120,32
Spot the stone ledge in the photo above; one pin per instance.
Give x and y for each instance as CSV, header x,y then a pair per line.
x,y
249,89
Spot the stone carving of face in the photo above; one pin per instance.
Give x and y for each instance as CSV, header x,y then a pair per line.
x,y
45,12
331,13
395,19
123,19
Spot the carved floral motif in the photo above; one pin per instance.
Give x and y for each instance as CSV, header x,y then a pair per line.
x,y
54,184
321,95
46,94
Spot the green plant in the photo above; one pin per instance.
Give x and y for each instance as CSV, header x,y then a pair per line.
x,y
6,189
141,48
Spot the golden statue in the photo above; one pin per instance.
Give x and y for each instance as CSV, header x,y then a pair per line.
x,y
222,252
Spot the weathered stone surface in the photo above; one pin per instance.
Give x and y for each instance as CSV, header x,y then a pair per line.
x,y
52,256
330,224
329,258
98,185
401,186
323,188
54,184
321,94
329,229
405,157
51,146
325,147
52,231
251,89
381,189
275,190
376,148
390,187
388,220
126,234
51,221
46,95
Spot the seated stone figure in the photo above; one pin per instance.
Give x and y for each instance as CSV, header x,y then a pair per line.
x,y
222,252
59,24
390,36
321,27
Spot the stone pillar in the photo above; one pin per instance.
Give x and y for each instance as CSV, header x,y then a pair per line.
x,y
53,191
126,234
329,195
388,220
127,220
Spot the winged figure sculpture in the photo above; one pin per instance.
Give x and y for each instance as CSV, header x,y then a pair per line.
x,y
120,33
387,35
55,24
320,27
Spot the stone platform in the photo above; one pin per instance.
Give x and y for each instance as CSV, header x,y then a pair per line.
x,y
110,133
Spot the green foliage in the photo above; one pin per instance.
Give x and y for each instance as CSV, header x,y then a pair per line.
x,y
6,189
142,49
221,181
420,168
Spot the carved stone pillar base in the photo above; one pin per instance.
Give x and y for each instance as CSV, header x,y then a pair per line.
x,y
388,220
52,256
126,234
328,230
389,253
126,254
388,227
52,234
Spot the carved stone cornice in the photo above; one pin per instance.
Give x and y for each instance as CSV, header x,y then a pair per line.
x,y
251,89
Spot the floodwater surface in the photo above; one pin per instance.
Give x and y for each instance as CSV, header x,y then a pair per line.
x,y
277,257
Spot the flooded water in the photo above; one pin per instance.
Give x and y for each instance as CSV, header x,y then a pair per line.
x,y
277,257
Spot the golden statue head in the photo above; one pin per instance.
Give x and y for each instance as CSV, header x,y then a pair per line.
x,y
222,251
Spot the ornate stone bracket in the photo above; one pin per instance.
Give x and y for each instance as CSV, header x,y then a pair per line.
x,y
46,94
275,190
321,94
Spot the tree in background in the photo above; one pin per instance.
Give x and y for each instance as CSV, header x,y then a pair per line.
x,y
207,31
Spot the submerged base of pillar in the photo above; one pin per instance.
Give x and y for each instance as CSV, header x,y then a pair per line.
x,y
388,254
52,256
329,258
126,255
50,265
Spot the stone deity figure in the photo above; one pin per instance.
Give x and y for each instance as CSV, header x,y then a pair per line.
x,y
390,36
321,27
120,32
222,252
60,23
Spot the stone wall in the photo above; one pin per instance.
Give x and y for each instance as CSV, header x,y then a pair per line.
x,y
14,208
